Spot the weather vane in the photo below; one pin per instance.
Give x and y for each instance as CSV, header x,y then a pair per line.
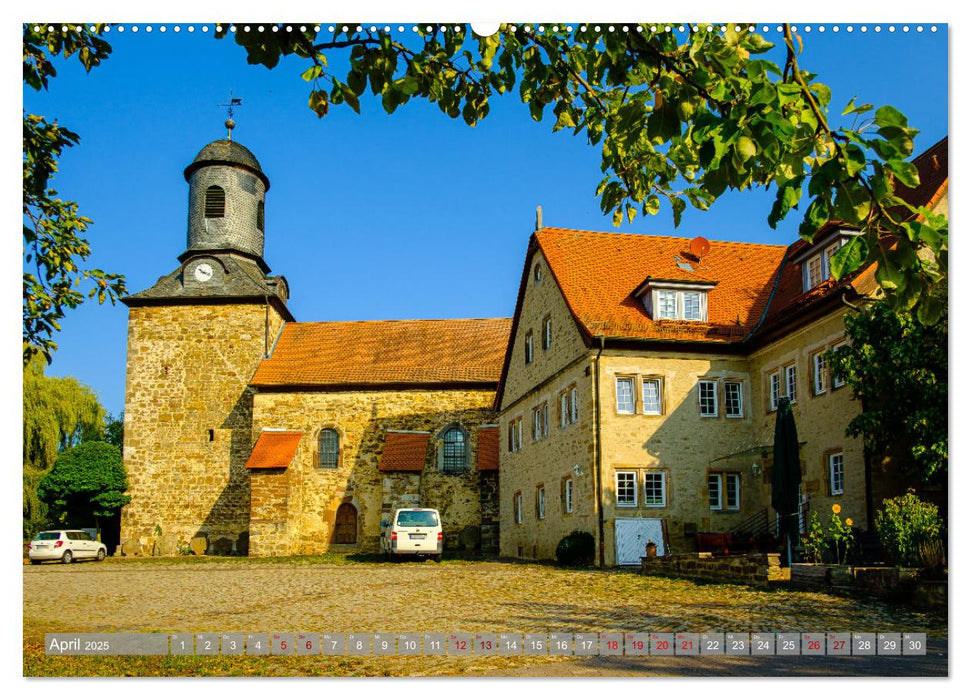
x,y
233,102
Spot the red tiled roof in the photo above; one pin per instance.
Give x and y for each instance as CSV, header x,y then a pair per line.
x,y
404,452
932,170
274,449
790,299
455,351
488,460
599,272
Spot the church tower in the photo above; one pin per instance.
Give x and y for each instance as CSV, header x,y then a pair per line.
x,y
195,339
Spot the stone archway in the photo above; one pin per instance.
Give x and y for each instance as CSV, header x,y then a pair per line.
x,y
345,524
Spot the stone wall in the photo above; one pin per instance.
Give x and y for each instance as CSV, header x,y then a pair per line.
x,y
681,444
821,420
362,418
188,417
489,509
564,453
758,569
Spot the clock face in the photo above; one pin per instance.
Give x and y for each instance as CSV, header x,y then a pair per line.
x,y
203,272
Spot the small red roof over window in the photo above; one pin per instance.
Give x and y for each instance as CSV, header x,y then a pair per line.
x,y
488,450
404,452
274,449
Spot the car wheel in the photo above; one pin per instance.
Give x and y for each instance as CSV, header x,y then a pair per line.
x,y
35,561
101,555
437,558
68,557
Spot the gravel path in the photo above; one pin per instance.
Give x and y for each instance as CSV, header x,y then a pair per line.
x,y
252,596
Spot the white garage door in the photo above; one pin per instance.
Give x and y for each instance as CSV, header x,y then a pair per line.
x,y
631,536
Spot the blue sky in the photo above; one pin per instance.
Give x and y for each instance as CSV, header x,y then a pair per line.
x,y
413,215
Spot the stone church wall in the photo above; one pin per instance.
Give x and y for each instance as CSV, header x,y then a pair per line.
x,y
362,419
188,418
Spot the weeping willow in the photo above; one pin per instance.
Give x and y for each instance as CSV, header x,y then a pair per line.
x,y
59,412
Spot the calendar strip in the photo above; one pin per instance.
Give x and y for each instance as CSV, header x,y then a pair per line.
x,y
488,644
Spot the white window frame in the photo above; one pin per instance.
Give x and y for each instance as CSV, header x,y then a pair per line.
x,y
529,348
652,381
541,502
741,400
678,313
568,495
775,390
537,425
832,460
653,475
820,371
537,274
722,479
516,434
714,398
790,375
807,272
667,295
633,397
719,478
838,382
518,506
545,418
564,409
633,490
574,406
683,298
547,333
737,479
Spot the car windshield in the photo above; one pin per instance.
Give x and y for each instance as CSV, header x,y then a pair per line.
x,y
417,518
49,536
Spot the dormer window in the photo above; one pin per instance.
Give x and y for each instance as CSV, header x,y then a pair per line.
x,y
675,300
816,261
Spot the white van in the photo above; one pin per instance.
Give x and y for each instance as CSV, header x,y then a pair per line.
x,y
416,531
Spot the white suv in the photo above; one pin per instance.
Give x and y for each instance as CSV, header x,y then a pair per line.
x,y
66,545
415,531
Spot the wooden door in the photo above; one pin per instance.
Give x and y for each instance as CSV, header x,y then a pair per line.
x,y
345,526
631,537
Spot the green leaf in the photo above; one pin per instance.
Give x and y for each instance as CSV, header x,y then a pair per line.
x,y
889,116
312,73
652,205
849,258
890,276
318,103
618,217
853,108
905,172
929,311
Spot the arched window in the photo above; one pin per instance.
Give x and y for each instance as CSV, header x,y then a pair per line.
x,y
455,451
259,215
345,525
328,449
215,202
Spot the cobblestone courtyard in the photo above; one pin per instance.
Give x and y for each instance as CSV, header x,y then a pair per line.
x,y
295,595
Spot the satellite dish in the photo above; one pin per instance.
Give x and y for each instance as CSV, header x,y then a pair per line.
x,y
700,246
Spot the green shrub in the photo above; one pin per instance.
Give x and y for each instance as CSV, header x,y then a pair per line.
x,y
813,542
576,548
906,525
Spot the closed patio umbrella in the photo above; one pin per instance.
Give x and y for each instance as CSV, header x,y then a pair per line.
x,y
786,476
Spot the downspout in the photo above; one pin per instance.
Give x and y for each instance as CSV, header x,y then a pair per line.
x,y
599,454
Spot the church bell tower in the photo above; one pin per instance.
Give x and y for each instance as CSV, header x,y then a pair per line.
x,y
195,339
